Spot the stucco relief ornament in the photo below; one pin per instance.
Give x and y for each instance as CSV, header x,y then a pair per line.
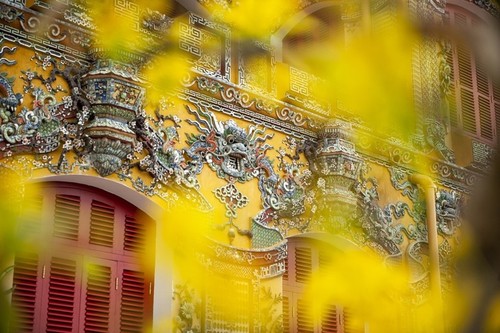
x,y
433,138
9,101
37,129
232,199
239,155
287,196
447,212
230,151
379,223
235,154
155,21
158,136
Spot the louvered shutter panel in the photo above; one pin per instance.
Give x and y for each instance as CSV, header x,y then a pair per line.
x,y
24,296
305,322
496,92
305,257
329,320
483,82
287,264
102,221
466,90
496,106
324,259
460,19
242,316
350,324
464,66
98,298
346,321
67,216
61,295
286,313
497,118
133,301
135,235
30,226
303,264
485,106
468,111
485,118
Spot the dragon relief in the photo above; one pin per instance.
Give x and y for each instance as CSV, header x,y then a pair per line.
x,y
379,224
235,154
447,212
288,198
239,155
163,161
229,150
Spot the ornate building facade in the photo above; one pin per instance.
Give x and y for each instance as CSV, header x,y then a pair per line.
x,y
243,134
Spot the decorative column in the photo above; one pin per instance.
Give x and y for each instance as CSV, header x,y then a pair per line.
x,y
337,166
116,96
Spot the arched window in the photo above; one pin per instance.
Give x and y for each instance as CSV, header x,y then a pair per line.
x,y
304,257
474,100
87,273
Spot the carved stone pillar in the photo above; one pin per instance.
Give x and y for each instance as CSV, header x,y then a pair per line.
x,y
336,166
116,96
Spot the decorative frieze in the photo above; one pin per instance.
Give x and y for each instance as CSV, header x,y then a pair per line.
x,y
482,154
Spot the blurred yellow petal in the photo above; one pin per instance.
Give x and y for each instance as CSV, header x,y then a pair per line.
x,y
164,74
371,77
253,19
116,34
362,284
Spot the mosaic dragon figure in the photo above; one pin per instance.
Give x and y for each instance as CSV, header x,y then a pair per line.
x,y
232,152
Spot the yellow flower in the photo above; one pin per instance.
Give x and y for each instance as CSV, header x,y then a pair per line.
x,y
253,19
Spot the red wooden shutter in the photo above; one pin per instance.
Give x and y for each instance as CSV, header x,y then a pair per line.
x,y
496,106
285,274
350,325
468,109
303,264
62,296
497,119
329,320
26,289
486,123
92,280
324,259
286,313
468,113
476,113
305,322
306,256
98,297
135,300
102,221
67,216
135,235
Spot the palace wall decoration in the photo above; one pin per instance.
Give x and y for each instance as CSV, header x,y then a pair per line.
x,y
81,113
